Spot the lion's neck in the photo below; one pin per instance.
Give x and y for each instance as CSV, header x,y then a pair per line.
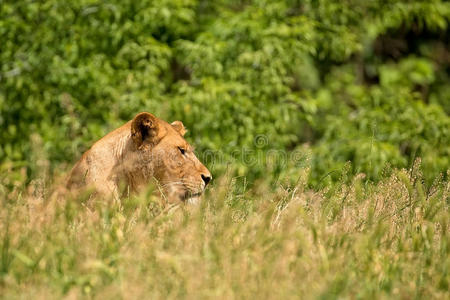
x,y
122,146
135,166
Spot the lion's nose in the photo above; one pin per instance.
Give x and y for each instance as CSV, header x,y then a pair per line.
x,y
206,179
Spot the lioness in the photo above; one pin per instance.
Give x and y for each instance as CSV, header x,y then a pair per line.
x,y
143,149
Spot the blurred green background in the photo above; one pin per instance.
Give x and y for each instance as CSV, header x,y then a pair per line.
x,y
330,81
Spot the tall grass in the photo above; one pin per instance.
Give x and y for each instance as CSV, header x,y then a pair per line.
x,y
349,240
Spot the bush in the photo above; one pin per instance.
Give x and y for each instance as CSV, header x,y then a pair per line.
x,y
364,82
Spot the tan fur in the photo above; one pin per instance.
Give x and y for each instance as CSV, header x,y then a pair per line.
x,y
143,149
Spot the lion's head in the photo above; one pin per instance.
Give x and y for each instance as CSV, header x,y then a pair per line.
x,y
143,149
168,157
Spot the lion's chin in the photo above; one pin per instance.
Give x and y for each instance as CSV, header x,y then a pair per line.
x,y
195,200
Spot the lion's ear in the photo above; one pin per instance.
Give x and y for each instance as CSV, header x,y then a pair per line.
x,y
144,129
178,125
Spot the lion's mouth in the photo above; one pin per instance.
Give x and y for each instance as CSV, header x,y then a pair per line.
x,y
188,196
191,195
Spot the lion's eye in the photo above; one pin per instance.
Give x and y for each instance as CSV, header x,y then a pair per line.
x,y
182,150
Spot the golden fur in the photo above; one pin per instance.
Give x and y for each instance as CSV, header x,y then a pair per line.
x,y
143,149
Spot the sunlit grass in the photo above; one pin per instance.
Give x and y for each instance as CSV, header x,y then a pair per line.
x,y
350,240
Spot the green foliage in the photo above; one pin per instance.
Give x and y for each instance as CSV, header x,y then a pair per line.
x,y
359,81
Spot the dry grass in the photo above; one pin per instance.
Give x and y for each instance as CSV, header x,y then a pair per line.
x,y
351,240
